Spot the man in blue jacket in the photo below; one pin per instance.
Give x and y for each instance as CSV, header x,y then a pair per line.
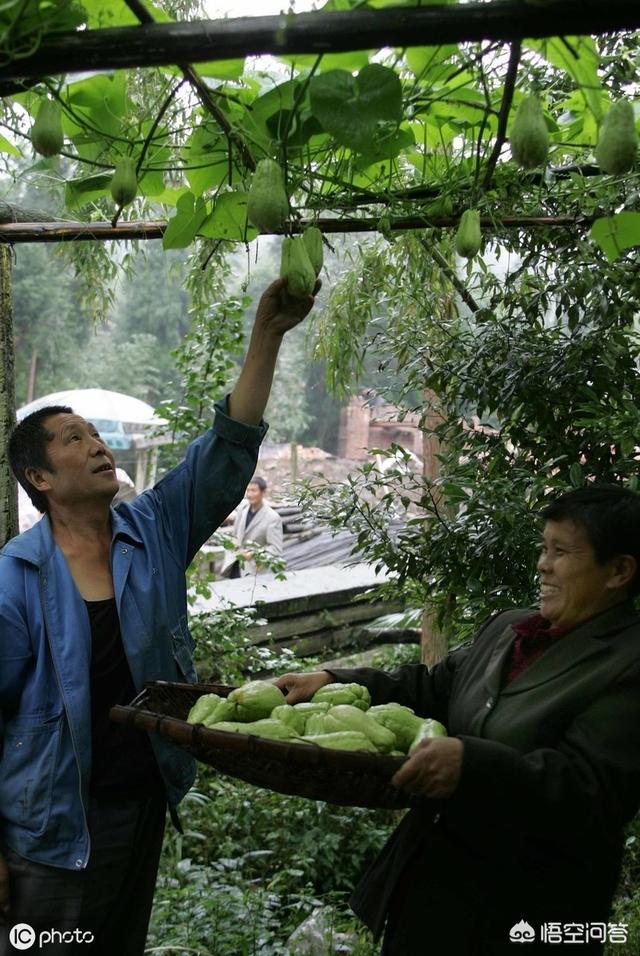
x,y
92,605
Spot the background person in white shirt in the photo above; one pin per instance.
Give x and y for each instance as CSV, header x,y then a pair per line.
x,y
256,523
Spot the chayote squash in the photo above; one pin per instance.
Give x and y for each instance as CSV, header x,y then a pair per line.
x,y
272,729
468,237
342,740
124,183
312,238
529,134
618,140
255,700
429,728
267,203
204,706
352,718
46,133
323,724
290,716
224,710
296,266
336,693
400,720
307,708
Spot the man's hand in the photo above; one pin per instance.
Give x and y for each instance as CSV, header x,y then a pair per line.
x,y
278,311
300,687
4,888
433,769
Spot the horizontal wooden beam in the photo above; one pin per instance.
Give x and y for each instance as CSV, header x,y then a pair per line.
x,y
164,44
22,232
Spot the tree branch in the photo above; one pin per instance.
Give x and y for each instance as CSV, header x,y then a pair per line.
x,y
459,286
505,107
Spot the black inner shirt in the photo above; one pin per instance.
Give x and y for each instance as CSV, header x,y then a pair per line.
x,y
122,757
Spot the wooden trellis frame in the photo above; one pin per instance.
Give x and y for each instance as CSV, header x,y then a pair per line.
x,y
24,232
164,44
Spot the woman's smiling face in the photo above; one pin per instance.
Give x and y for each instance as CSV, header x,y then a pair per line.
x,y
574,586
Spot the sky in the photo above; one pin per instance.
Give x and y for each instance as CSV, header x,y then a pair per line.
x,y
254,8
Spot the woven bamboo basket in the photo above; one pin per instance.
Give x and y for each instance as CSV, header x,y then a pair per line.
x,y
341,777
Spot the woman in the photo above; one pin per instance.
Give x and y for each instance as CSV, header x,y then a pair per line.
x,y
519,815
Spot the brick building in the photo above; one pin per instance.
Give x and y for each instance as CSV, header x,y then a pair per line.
x,y
365,426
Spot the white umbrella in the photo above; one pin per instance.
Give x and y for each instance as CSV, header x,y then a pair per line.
x,y
99,403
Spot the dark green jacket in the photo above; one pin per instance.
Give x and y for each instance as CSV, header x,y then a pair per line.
x,y
550,778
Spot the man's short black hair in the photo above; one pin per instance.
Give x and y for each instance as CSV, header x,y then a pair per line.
x,y
610,516
260,482
28,449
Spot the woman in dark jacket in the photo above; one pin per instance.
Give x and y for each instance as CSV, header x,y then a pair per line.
x,y
517,831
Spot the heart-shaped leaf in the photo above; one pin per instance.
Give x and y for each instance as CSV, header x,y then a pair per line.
x,y
356,110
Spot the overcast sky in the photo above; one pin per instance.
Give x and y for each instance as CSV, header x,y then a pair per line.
x,y
254,8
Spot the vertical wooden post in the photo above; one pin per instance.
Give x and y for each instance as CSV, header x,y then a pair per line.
x,y
294,461
8,488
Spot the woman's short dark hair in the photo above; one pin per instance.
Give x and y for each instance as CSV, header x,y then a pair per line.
x,y
610,516
260,482
28,449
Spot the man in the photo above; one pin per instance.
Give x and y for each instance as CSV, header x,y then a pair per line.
x,y
93,604
256,523
519,814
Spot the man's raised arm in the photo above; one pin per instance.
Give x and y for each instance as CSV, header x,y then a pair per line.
x,y
276,314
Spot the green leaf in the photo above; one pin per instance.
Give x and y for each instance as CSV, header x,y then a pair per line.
x,y
183,228
387,147
7,147
575,475
152,183
579,57
352,61
100,92
615,234
206,159
102,103
79,192
353,109
168,196
106,13
229,219
217,69
430,63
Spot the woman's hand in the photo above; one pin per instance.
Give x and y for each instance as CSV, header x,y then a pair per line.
x,y
433,769
300,687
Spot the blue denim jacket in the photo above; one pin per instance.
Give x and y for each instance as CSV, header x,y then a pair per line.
x,y
45,641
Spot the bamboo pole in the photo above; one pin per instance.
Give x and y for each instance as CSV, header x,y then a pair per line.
x,y
164,44
18,232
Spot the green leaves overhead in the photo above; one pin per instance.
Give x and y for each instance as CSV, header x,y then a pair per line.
x,y
362,134
358,111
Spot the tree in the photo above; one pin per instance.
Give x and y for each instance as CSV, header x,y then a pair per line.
x,y
536,390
